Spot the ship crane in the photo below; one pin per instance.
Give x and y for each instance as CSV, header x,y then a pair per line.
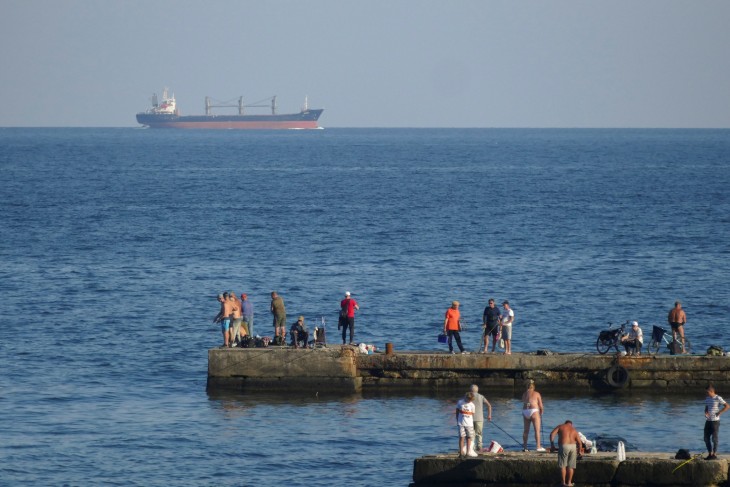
x,y
240,105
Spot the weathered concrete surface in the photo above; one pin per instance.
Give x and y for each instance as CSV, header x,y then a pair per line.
x,y
277,368
540,469
343,368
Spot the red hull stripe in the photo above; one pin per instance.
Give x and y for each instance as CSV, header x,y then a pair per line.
x,y
237,125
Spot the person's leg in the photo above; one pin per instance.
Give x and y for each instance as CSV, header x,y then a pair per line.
x,y
535,418
351,325
570,476
457,335
681,335
449,341
235,329
226,332
478,435
525,431
344,331
715,436
562,475
708,432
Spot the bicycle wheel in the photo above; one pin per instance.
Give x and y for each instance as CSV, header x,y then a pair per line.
x,y
687,346
654,346
603,345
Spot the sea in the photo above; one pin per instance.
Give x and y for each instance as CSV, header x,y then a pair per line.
x,y
116,241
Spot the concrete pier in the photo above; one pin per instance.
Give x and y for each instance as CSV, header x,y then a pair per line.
x,y
343,368
540,469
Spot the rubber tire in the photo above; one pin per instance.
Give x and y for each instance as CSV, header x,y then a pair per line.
x,y
654,347
617,377
603,346
687,345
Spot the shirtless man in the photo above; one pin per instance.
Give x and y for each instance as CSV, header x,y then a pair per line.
x,y
531,414
224,317
676,320
236,319
569,446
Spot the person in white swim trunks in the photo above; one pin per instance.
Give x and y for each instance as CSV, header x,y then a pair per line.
x,y
531,414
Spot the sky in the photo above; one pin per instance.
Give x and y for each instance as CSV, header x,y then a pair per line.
x,y
374,63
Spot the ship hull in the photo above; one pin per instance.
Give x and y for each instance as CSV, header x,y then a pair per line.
x,y
303,120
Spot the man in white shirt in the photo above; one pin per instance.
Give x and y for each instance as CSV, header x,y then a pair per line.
x,y
506,320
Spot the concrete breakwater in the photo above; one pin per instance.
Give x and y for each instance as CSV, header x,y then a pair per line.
x,y
344,369
540,469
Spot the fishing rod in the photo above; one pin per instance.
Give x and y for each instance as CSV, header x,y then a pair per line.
x,y
503,431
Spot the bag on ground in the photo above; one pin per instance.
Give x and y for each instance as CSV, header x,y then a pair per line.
x,y
715,350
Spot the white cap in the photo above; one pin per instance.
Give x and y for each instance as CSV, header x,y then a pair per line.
x,y
634,323
347,293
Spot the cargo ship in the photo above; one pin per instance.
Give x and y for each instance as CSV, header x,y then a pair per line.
x,y
165,114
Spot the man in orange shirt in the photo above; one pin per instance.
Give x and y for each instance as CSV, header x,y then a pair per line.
x,y
452,326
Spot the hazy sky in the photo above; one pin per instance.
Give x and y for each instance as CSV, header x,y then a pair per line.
x,y
391,63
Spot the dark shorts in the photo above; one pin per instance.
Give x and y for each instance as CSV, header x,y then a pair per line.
x,y
675,326
492,330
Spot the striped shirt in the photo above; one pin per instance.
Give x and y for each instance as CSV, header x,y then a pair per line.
x,y
712,404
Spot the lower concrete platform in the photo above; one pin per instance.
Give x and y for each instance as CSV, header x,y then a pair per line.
x,y
532,469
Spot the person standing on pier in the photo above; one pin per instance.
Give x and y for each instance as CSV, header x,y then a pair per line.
x,y
569,446
347,317
479,402
236,318
712,420
465,420
279,312
452,326
490,322
225,319
506,320
677,320
247,311
531,414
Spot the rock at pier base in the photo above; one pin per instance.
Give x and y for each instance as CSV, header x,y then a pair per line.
x,y
532,469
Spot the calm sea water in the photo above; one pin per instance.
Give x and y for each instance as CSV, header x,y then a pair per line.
x,y
116,241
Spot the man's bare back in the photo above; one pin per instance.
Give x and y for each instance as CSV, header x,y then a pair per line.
x,y
567,435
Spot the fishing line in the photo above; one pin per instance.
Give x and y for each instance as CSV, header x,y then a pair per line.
x,y
503,431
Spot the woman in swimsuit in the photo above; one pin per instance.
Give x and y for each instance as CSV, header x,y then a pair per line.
x,y
531,414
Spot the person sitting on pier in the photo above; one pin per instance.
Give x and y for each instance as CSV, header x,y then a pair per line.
x,y
634,340
299,333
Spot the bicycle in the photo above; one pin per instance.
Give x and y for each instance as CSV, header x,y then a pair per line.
x,y
659,335
610,338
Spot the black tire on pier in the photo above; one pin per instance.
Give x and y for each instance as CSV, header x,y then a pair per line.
x,y
654,346
617,376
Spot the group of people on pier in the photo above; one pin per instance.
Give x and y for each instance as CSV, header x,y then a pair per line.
x,y
236,320
497,324
571,444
